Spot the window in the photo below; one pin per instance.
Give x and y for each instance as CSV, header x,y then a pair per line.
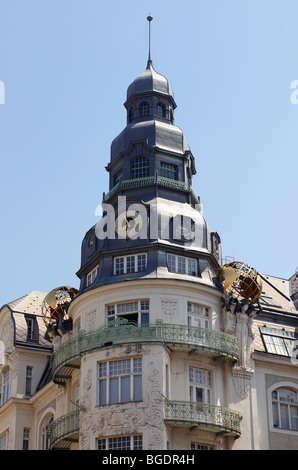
x,y
117,177
91,276
44,435
285,409
5,387
131,114
182,265
161,110
121,443
29,370
167,170
4,441
278,341
137,312
139,168
197,315
26,437
200,385
119,381
130,264
32,329
195,446
144,109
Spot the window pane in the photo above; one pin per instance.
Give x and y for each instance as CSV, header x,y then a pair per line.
x,y
125,388
130,264
284,417
168,171
137,443
102,392
199,395
171,263
114,390
137,387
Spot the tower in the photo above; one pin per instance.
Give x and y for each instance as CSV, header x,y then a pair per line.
x,y
147,336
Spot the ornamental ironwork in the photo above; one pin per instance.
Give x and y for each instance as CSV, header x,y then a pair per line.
x,y
64,430
192,415
120,332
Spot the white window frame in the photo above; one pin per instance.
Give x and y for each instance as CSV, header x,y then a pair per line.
x,y
5,387
128,261
276,341
200,382
91,276
182,265
133,442
288,406
141,308
198,315
113,379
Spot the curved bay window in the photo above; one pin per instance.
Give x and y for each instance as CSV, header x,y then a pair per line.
x,y
139,168
144,109
285,409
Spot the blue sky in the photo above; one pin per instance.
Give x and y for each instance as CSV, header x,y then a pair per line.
x,y
66,66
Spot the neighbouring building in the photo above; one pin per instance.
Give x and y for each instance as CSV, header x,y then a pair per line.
x,y
150,353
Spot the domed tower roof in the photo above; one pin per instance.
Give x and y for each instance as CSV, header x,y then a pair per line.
x,y
149,81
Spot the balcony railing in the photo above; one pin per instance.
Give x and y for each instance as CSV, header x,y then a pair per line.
x,y
121,332
64,430
150,181
198,415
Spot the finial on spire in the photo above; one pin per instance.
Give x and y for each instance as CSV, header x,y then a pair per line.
x,y
149,18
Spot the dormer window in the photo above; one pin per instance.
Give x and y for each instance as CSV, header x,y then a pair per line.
x,y
161,110
144,109
139,168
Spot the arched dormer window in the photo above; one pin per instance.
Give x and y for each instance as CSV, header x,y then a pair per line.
x,y
144,109
139,168
131,114
161,110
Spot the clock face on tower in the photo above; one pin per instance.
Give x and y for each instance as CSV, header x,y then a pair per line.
x,y
128,224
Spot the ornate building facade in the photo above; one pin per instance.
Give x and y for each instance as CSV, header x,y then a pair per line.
x,y
150,353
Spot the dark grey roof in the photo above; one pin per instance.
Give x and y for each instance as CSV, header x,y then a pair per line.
x,y
158,134
149,81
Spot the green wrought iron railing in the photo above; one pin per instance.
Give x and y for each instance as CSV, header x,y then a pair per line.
x,y
193,415
151,181
67,356
64,430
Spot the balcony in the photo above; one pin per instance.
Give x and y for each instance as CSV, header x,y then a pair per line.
x,y
198,415
64,431
160,181
121,332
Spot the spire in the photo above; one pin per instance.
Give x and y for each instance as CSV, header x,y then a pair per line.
x,y
149,63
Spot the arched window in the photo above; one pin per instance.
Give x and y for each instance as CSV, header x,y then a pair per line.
x,y
44,436
131,114
161,110
139,167
144,109
285,409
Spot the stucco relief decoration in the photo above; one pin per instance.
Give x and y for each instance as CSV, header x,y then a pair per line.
x,y
6,333
169,307
90,319
86,421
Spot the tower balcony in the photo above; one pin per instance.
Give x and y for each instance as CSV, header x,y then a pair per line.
x,y
120,332
64,430
160,181
199,415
